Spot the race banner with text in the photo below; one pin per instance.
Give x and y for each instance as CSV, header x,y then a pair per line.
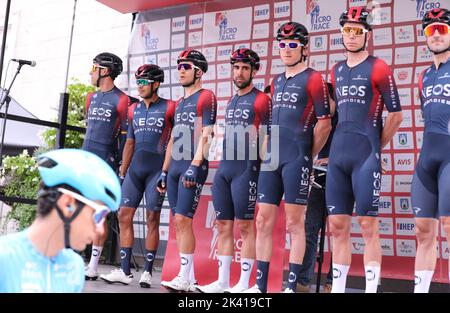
x,y
218,27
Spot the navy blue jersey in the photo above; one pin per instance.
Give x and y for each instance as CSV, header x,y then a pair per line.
x,y
191,114
325,152
434,86
150,127
106,117
362,92
247,112
297,103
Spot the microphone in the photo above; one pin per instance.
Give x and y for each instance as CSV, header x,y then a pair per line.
x,y
25,62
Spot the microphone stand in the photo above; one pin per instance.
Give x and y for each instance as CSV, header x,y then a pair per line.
x,y
6,99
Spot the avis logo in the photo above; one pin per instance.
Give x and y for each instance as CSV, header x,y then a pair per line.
x,y
225,32
318,22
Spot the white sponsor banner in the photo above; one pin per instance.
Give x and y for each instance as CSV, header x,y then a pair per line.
x,y
419,139
163,232
227,26
210,54
387,246
420,35
165,216
384,54
404,34
423,54
195,39
196,21
164,93
174,57
174,76
221,107
386,161
405,247
405,96
177,92
418,118
260,31
408,11
404,161
403,205
386,183
418,71
407,119
178,41
416,97
357,3
282,9
224,89
385,206
148,59
210,86
224,71
179,24
259,83
357,244
262,68
385,226
403,140
261,48
382,36
135,62
335,58
277,67
404,55
403,76
405,226
445,250
320,15
166,78
164,60
261,12
224,53
241,45
355,228
318,43
402,183
336,42
318,62
210,74
151,37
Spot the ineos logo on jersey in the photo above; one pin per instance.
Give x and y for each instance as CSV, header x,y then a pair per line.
x,y
151,121
186,117
100,112
352,90
238,113
437,90
286,96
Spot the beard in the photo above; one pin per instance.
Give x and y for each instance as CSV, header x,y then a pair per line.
x,y
244,84
438,50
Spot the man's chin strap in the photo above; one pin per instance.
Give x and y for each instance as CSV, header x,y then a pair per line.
x,y
67,222
359,50
101,77
443,51
302,59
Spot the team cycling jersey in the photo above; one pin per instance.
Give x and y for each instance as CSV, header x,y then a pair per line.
x,y
24,269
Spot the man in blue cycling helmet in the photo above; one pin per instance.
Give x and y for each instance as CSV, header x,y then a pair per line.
x,y
77,191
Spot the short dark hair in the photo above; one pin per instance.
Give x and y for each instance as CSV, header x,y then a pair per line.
x,y
267,89
48,196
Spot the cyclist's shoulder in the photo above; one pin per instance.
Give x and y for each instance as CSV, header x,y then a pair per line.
x,y
11,244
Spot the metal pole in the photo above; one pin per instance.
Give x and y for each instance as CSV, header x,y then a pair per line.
x,y
70,45
62,120
5,32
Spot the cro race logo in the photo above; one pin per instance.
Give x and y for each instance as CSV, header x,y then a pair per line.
x,y
225,32
423,6
150,43
318,22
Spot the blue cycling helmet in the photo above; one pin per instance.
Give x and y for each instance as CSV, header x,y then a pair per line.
x,y
84,171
